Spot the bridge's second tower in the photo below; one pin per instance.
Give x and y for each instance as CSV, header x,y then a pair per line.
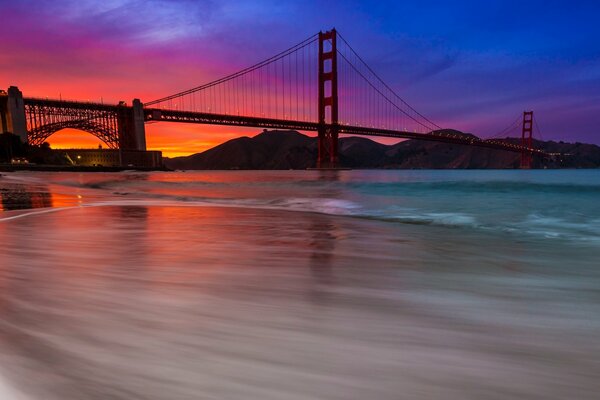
x,y
328,100
526,139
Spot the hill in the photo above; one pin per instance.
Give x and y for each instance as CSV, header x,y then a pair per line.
x,y
293,150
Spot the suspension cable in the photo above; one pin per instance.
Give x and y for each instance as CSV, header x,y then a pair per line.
x,y
244,71
507,129
386,97
386,85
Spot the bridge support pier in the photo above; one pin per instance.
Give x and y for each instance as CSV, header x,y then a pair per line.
x,y
139,129
328,101
327,147
130,124
12,113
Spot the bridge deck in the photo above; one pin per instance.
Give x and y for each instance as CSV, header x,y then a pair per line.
x,y
155,114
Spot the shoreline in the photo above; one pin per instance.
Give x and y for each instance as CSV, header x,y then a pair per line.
x,y
70,168
82,168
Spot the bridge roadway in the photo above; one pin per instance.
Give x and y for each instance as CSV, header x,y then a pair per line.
x,y
166,115
155,114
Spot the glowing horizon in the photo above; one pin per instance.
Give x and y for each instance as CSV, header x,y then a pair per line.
x,y
189,140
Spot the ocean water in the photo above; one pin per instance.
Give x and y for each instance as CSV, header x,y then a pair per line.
x,y
300,285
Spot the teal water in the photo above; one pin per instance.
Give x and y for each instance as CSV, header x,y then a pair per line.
x,y
530,204
300,285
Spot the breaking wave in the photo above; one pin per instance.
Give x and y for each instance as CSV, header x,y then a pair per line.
x,y
459,204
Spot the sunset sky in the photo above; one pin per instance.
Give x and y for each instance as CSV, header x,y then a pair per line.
x,y
469,65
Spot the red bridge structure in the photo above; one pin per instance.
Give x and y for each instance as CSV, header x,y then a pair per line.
x,y
321,84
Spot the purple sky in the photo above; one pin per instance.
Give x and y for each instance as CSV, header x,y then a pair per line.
x,y
469,65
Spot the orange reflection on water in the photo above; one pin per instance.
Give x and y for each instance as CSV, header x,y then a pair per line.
x,y
60,199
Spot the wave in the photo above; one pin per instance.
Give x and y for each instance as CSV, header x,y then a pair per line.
x,y
553,227
145,190
29,213
474,186
379,188
439,219
534,225
408,184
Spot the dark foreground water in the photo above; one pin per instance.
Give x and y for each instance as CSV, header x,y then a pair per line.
x,y
300,285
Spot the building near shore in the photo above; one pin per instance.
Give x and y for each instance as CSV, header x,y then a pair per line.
x,y
113,158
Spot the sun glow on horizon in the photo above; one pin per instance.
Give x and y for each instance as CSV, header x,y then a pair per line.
x,y
74,139
173,139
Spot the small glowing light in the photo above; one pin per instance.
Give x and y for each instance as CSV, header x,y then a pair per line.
x,y
79,157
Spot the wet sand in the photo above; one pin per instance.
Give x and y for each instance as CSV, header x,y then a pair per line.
x,y
126,297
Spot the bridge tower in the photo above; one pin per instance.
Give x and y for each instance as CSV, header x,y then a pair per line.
x,y
526,139
328,100
130,126
12,113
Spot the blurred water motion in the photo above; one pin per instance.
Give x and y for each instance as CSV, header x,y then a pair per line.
x,y
300,285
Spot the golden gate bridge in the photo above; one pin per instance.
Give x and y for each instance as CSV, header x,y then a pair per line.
x,y
320,84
